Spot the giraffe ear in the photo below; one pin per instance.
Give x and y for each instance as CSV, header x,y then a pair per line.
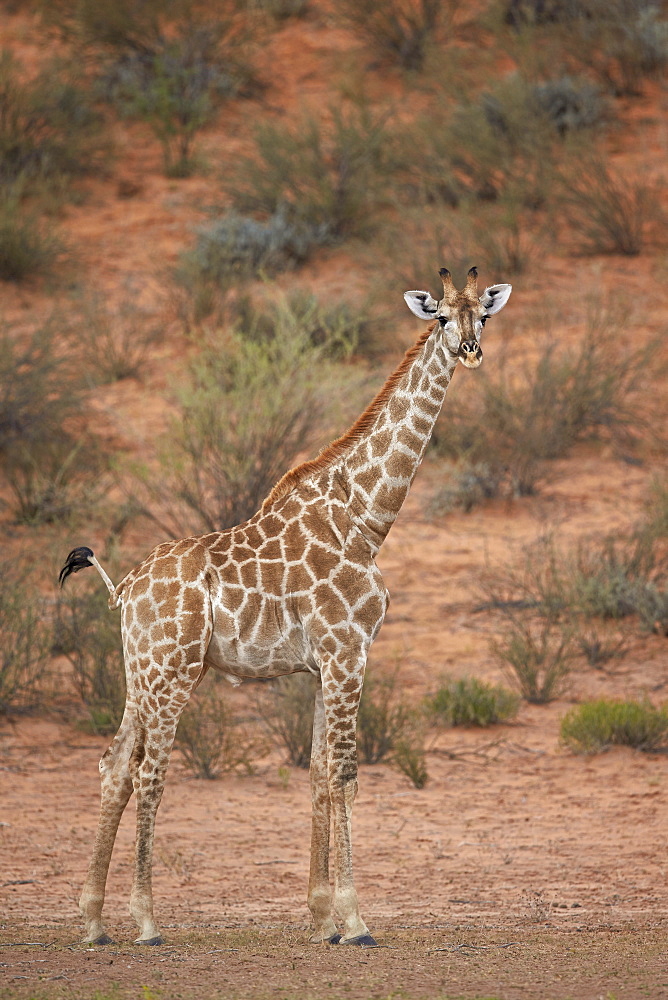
x,y
494,298
421,304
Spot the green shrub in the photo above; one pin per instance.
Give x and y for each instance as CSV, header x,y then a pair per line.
x,y
50,461
409,758
538,657
111,343
471,702
597,725
212,741
88,635
287,707
29,247
282,10
236,247
502,142
598,648
508,429
400,30
620,42
607,213
49,127
177,87
25,642
383,719
248,407
327,172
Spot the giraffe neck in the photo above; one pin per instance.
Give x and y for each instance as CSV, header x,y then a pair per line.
x,y
378,469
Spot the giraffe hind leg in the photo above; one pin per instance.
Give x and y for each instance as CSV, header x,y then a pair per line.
x,y
116,789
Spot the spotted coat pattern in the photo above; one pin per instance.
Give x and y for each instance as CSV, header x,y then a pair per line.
x,y
295,588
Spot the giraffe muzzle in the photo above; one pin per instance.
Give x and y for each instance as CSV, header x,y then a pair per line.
x,y
470,353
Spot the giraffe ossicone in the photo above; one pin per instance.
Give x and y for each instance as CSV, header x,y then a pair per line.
x,y
294,588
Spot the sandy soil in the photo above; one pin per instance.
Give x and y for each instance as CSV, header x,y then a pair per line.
x,y
520,870
541,870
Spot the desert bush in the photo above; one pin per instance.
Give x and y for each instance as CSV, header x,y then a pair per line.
x,y
570,103
112,343
536,656
25,641
211,739
502,142
237,246
607,213
398,30
337,328
409,758
49,126
29,247
327,172
505,434
471,702
383,719
43,435
247,409
598,725
88,635
467,484
287,707
598,647
620,42
282,10
177,87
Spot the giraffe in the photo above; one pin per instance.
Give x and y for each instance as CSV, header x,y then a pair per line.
x,y
294,588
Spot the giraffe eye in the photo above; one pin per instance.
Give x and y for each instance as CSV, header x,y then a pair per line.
x,y
443,320
483,320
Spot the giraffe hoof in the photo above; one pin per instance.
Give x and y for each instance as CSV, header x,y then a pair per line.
x,y
150,941
102,939
335,938
364,940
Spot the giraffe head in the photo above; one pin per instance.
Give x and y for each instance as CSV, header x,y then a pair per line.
x,y
461,315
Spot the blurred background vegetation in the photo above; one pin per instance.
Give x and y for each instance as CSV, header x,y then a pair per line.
x,y
139,402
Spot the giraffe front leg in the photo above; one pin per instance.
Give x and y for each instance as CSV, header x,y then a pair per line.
x,y
342,689
319,890
116,789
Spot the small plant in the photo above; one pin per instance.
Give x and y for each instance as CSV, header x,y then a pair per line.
x,y
287,710
598,725
471,702
399,30
29,248
383,720
211,739
176,87
537,657
598,648
49,127
42,430
608,213
282,10
326,174
248,407
112,344
469,484
87,634
237,247
25,642
506,437
409,758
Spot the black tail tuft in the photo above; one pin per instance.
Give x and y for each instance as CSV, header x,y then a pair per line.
x,y
76,560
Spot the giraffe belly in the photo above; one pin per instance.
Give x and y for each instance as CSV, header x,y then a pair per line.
x,y
258,651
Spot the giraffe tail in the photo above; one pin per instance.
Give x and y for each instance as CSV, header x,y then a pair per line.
x,y
80,558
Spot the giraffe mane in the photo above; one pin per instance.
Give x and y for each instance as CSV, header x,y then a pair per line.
x,y
359,429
